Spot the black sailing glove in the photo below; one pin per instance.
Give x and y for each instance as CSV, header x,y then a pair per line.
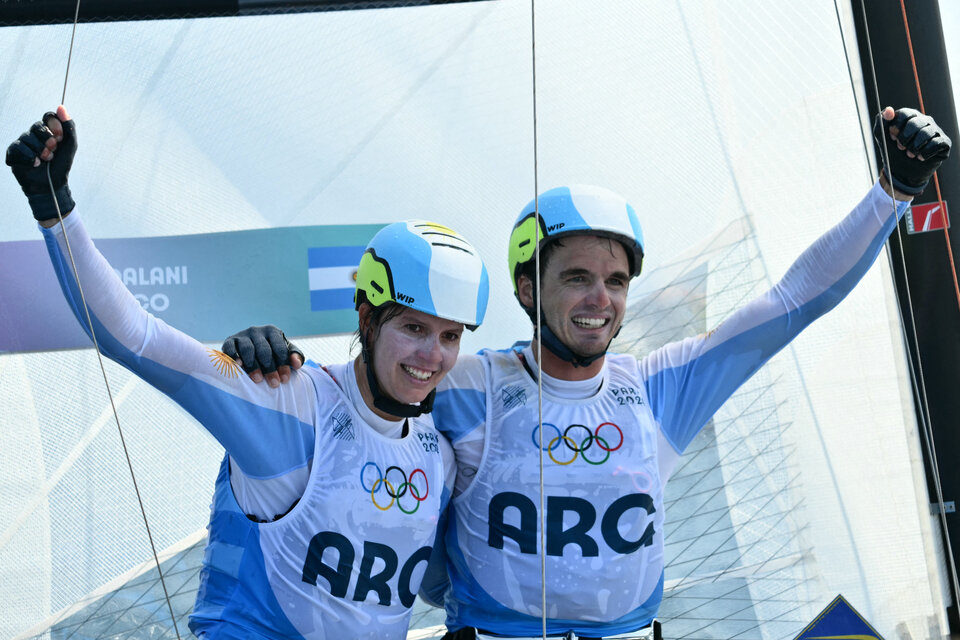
x,y
264,348
921,136
21,156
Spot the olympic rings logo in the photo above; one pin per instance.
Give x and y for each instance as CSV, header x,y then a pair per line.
x,y
585,444
393,489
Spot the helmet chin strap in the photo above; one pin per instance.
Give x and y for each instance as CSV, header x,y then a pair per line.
x,y
387,404
553,344
401,410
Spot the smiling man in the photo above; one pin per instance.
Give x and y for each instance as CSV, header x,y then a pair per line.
x,y
587,278
611,428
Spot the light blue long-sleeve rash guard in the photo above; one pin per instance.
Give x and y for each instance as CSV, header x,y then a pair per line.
x,y
347,559
607,457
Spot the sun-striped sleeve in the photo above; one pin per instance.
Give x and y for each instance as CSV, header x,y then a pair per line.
x,y
267,432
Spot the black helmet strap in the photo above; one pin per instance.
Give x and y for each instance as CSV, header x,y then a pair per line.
x,y
553,344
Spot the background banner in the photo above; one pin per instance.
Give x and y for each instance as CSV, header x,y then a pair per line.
x,y
208,285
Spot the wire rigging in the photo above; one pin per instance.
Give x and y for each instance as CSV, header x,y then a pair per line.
x,y
539,347
96,346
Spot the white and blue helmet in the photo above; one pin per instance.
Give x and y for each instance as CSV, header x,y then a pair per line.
x,y
425,266
575,210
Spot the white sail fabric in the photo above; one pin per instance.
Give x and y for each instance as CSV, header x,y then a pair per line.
x,y
734,133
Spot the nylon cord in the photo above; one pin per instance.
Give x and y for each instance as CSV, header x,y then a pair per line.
x,y
96,346
536,259
918,379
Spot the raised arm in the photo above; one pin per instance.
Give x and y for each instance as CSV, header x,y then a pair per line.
x,y
246,419
689,380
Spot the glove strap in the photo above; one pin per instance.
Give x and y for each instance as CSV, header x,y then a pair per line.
x,y
903,187
43,206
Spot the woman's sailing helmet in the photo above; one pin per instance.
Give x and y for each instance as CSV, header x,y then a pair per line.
x,y
425,266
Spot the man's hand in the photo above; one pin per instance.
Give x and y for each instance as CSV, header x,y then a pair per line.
x,y
264,353
50,143
921,147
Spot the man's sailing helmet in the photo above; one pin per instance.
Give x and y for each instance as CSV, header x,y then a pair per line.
x,y
425,266
575,210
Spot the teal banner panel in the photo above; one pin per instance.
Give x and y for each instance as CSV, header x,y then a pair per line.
x,y
207,285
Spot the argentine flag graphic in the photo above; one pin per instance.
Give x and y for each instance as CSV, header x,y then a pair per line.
x,y
333,275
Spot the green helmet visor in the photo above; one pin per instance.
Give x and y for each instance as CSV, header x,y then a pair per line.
x,y
374,279
523,244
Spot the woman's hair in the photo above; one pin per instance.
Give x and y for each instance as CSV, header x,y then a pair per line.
x,y
379,316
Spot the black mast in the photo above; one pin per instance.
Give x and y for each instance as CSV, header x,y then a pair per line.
x,y
932,321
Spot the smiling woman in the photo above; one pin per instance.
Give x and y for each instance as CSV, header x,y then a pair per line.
x,y
414,350
291,484
418,285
